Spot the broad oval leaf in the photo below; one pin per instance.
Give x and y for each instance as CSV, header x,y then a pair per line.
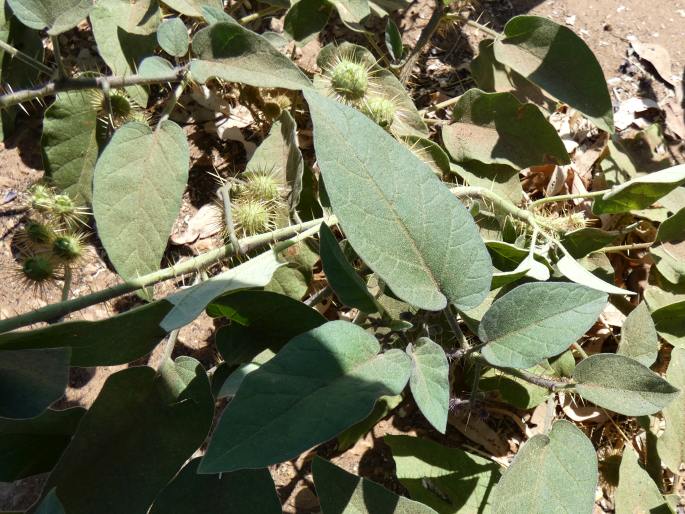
x,y
230,52
194,8
537,320
429,381
305,19
342,277
552,57
56,15
636,491
586,240
30,380
320,383
669,323
640,192
250,491
399,217
495,128
137,189
341,492
555,473
70,143
671,444
673,229
393,40
143,424
623,385
639,339
172,36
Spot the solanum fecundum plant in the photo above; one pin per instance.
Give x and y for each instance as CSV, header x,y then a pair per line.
x,y
452,287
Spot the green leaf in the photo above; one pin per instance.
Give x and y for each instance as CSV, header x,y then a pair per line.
x,y
636,491
250,491
393,40
70,143
32,446
429,381
429,152
669,323
155,66
671,445
31,380
537,320
673,229
341,492
98,343
495,128
449,480
305,19
399,217
233,382
194,8
498,178
584,241
137,189
135,437
555,59
320,383
50,504
189,303
623,385
516,391
639,339
508,257
342,277
172,36
670,261
260,320
640,192
352,12
281,157
573,270
550,473
56,16
383,407
232,53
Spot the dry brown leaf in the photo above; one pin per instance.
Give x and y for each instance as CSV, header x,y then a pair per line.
x,y
675,117
202,225
657,56
471,426
630,109
583,413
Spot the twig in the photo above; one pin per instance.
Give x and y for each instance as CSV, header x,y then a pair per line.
x,y
257,15
440,105
71,84
57,310
563,198
425,36
171,102
25,58
225,192
623,248
61,70
487,30
548,383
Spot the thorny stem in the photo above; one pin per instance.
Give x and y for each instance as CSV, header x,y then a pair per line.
x,y
479,26
61,71
548,383
57,310
623,248
225,192
454,325
440,105
66,288
25,58
257,15
172,101
562,198
72,84
580,350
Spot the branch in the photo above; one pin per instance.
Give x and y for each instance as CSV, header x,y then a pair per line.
x,y
547,383
71,84
58,310
25,58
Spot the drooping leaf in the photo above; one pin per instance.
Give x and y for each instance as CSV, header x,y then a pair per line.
x,y
194,8
640,192
555,59
671,445
137,188
31,380
673,229
669,325
550,473
636,491
232,383
573,270
172,36
352,12
383,407
669,259
393,40
235,54
32,446
98,343
449,480
537,320
399,217
429,381
250,491
56,16
499,178
261,319
50,504
509,257
320,383
623,385
189,303
429,152
495,128
584,241
142,427
70,143
639,339
342,277
341,492
305,19
516,391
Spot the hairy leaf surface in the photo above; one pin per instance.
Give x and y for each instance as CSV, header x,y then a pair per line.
x,y
636,491
671,444
56,16
639,339
429,381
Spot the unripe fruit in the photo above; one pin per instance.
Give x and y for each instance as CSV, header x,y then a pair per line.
x,y
41,198
350,80
38,269
36,234
381,110
260,186
67,248
252,217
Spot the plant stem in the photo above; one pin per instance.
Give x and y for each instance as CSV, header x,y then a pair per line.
x,y
562,198
425,36
623,248
57,310
61,70
172,101
257,15
548,383
25,58
319,296
456,329
580,350
71,84
225,192
66,288
440,105
168,347
487,30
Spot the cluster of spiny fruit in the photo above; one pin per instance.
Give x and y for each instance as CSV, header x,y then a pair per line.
x,y
50,241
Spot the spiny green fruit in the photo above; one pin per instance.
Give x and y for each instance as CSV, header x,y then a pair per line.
x,y
260,185
68,248
350,80
66,210
38,269
381,110
41,198
252,216
36,234
121,105
275,105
